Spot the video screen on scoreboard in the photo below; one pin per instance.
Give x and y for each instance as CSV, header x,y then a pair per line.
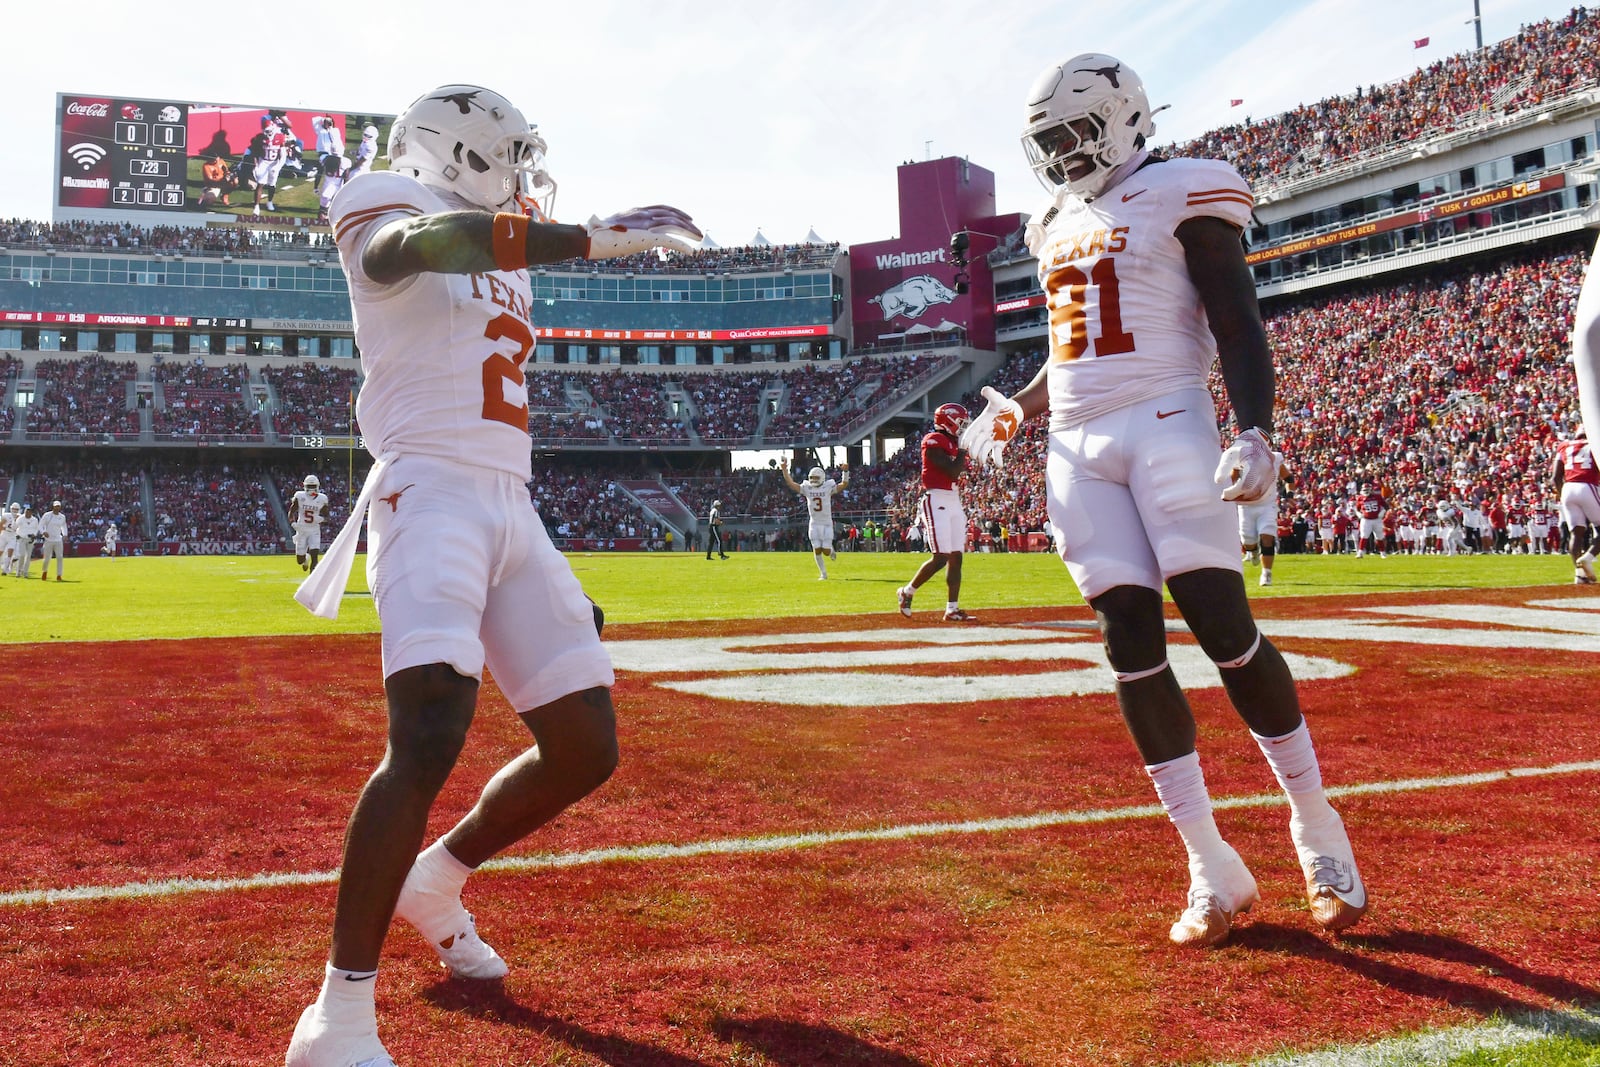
x,y
266,163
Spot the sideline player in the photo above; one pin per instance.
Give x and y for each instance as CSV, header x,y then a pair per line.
x,y
308,510
24,529
436,251
1144,273
110,548
1578,481
939,513
1258,524
1372,508
9,520
817,492
53,535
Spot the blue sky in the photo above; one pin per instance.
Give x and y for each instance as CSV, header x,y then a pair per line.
x,y
746,114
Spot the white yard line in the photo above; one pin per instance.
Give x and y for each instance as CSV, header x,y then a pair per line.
x,y
775,843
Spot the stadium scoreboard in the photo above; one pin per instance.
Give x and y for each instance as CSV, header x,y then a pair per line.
x,y
321,440
137,154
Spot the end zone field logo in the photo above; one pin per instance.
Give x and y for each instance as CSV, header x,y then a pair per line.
x,y
856,668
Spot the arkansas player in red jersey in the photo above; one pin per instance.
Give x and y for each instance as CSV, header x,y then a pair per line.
x,y
943,522
1578,481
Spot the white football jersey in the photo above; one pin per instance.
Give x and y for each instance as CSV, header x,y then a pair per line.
x,y
442,354
819,500
1126,323
308,509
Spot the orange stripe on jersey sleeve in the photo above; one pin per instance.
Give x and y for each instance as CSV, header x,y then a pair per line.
x,y
357,219
1236,197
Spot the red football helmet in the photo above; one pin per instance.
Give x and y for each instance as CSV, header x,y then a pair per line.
x,y
951,419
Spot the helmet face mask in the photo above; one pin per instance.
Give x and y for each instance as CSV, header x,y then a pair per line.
x,y
312,484
475,144
1084,118
816,476
951,419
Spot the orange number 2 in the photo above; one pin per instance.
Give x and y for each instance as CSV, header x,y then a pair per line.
x,y
499,369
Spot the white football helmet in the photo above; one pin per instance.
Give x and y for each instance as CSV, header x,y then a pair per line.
x,y
1089,111
15,507
312,485
816,476
474,143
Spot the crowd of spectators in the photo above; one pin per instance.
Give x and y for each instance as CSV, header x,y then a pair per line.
x,y
94,492
88,395
212,502
312,398
198,401
84,236
747,259
1543,61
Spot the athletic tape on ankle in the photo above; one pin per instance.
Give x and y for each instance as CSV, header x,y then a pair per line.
x,y
1134,676
1240,661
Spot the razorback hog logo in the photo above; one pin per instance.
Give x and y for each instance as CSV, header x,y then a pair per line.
x,y
913,296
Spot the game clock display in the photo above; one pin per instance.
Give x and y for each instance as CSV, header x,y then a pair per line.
x,y
130,154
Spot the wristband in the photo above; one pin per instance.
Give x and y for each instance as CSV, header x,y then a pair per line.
x,y
510,241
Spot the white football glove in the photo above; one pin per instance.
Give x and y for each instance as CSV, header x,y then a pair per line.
x,y
1247,470
985,436
641,229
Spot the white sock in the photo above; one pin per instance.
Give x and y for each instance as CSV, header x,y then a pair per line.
x,y
1181,788
347,998
436,913
1294,763
952,605
821,566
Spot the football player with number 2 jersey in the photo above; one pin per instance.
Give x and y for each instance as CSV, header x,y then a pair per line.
x,y
817,491
1144,273
436,251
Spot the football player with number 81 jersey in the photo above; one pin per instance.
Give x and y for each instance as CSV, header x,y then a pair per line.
x,y
1145,278
436,251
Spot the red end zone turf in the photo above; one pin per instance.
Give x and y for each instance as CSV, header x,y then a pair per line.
x,y
133,763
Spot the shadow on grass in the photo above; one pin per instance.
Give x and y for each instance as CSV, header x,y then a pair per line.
x,y
795,1044
489,1000
1390,972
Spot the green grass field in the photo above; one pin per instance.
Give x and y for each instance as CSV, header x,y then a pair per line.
x,y
233,596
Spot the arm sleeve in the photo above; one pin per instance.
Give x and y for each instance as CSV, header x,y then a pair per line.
x,y
362,208
1211,188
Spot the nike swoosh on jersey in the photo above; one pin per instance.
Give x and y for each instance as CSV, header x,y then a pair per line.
x,y
1129,196
1169,414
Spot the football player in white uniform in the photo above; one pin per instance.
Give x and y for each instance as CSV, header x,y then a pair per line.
x,y
24,530
110,548
1145,278
817,491
1586,342
307,511
1258,524
437,251
53,535
8,537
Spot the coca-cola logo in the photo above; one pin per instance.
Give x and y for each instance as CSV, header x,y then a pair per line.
x,y
93,111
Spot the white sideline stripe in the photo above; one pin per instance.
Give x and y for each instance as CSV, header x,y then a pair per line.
x,y
777,843
1438,1048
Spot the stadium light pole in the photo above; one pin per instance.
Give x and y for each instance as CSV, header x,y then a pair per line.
x,y
1477,22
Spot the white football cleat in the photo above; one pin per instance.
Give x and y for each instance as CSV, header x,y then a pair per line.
x,y
1214,903
450,930
905,600
316,1043
1266,577
1334,890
